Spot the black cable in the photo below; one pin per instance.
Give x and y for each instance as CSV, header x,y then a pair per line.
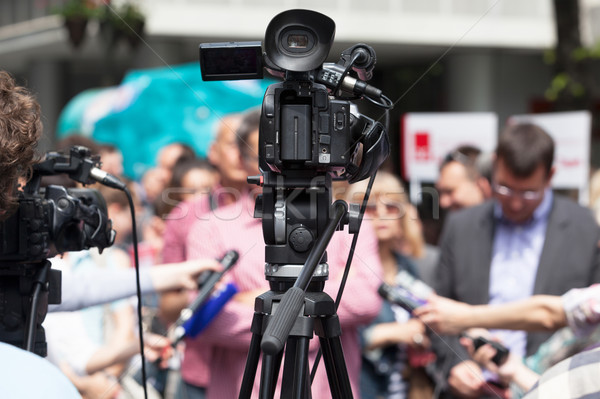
x,y
387,117
386,103
361,213
348,263
347,69
31,318
41,279
138,289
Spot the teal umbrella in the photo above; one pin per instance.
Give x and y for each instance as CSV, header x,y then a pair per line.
x,y
153,108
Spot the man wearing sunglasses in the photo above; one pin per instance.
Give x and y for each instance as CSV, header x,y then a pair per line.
x,y
525,241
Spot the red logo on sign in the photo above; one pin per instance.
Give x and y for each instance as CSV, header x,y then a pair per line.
x,y
422,146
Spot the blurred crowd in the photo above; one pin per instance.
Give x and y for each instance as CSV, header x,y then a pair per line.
x,y
494,309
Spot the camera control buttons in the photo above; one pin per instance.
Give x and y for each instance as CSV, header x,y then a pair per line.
x,y
270,152
340,120
325,139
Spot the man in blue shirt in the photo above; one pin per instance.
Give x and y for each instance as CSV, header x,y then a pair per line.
x,y
524,241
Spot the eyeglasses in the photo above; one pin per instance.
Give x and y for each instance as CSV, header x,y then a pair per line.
x,y
527,195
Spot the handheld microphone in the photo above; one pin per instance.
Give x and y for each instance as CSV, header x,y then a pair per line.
x,y
501,350
400,296
413,284
409,291
202,318
227,261
209,282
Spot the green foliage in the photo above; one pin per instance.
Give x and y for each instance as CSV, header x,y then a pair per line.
x,y
78,9
563,81
559,82
124,17
121,17
549,57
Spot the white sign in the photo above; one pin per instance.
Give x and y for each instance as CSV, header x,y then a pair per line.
x,y
571,133
428,137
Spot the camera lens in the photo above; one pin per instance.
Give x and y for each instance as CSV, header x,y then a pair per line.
x,y
297,41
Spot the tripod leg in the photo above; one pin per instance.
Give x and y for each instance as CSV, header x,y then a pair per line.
x,y
268,377
277,368
253,356
295,370
334,385
269,374
303,386
335,364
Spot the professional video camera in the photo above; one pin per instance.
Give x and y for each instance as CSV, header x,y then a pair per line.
x,y
48,221
307,122
310,133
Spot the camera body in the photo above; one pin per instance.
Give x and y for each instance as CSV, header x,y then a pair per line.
x,y
306,121
302,128
48,221
55,219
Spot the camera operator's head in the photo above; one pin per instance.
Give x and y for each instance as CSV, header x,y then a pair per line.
x,y
20,130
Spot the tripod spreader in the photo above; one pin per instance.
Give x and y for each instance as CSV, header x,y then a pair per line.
x,y
283,320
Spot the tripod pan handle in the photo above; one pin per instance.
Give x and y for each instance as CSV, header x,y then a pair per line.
x,y
283,320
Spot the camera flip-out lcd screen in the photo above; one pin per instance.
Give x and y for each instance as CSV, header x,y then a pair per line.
x,y
231,61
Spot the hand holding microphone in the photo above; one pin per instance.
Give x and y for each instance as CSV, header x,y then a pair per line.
x,y
409,292
198,314
182,275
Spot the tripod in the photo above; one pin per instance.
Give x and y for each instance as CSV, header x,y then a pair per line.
x,y
286,316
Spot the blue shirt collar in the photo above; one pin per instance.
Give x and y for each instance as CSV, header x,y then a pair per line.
x,y
542,212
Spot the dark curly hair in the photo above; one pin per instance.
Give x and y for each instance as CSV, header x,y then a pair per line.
x,y
20,130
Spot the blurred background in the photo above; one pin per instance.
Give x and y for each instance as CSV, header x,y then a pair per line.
x,y
507,57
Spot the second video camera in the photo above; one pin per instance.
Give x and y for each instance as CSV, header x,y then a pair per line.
x,y
48,221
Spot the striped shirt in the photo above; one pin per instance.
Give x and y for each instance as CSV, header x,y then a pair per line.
x,y
177,228
574,378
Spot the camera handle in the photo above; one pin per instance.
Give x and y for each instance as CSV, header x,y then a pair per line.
x,y
297,314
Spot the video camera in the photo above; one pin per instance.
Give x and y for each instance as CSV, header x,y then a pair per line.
x,y
310,132
48,221
307,121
